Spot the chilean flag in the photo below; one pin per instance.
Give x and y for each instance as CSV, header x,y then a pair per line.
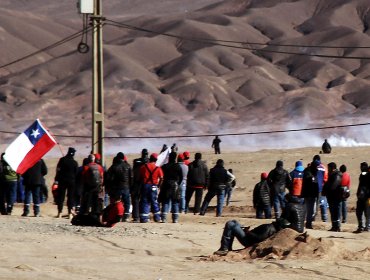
x,y
29,147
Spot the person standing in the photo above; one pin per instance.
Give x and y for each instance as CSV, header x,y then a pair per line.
x,y
216,145
297,179
170,192
326,148
186,155
262,200
363,195
119,180
152,178
278,179
218,179
185,169
198,177
137,184
229,188
345,188
332,190
322,177
310,191
93,175
33,180
65,175
9,183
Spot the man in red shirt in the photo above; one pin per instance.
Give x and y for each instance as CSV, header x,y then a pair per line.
x,y
345,185
152,177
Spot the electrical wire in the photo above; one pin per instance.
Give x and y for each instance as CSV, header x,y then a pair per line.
x,y
116,23
52,46
208,135
216,43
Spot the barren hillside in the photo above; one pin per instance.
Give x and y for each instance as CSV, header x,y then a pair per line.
x,y
224,66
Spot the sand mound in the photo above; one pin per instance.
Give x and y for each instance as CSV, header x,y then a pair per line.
x,y
289,244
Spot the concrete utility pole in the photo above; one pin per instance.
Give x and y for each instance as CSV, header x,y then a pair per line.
x,y
97,81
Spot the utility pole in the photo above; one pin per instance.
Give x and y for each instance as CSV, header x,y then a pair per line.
x,y
97,81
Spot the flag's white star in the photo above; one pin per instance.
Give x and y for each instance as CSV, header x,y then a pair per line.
x,y
35,133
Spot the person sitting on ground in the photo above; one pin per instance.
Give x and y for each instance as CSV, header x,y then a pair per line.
x,y
326,148
292,217
111,215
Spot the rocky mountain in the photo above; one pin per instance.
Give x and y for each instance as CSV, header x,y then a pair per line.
x,y
187,67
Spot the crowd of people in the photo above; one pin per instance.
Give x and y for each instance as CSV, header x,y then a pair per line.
x,y
149,190
317,187
146,189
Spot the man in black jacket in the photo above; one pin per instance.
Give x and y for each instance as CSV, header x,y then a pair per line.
x,y
292,217
33,179
66,173
170,193
137,184
332,190
279,179
218,179
197,181
119,180
363,194
262,198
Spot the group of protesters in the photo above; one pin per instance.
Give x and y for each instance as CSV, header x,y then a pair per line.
x,y
317,187
152,187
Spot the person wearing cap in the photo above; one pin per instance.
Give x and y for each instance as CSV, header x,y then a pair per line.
x,y
292,217
262,200
119,180
152,177
278,180
295,187
218,179
65,177
185,169
186,155
137,184
197,181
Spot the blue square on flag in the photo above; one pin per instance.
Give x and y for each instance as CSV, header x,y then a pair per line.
x,y
34,132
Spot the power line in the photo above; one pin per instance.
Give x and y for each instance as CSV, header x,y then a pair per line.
x,y
54,45
219,43
118,24
208,135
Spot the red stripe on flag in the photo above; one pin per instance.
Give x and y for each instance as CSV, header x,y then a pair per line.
x,y
42,146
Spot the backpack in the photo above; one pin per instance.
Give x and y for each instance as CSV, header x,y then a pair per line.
x,y
94,179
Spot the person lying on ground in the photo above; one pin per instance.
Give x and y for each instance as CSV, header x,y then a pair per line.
x,y
111,215
292,217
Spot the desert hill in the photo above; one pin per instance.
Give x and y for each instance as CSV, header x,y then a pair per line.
x,y
227,66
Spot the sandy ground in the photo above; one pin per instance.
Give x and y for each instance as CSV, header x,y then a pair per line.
x,y
50,248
